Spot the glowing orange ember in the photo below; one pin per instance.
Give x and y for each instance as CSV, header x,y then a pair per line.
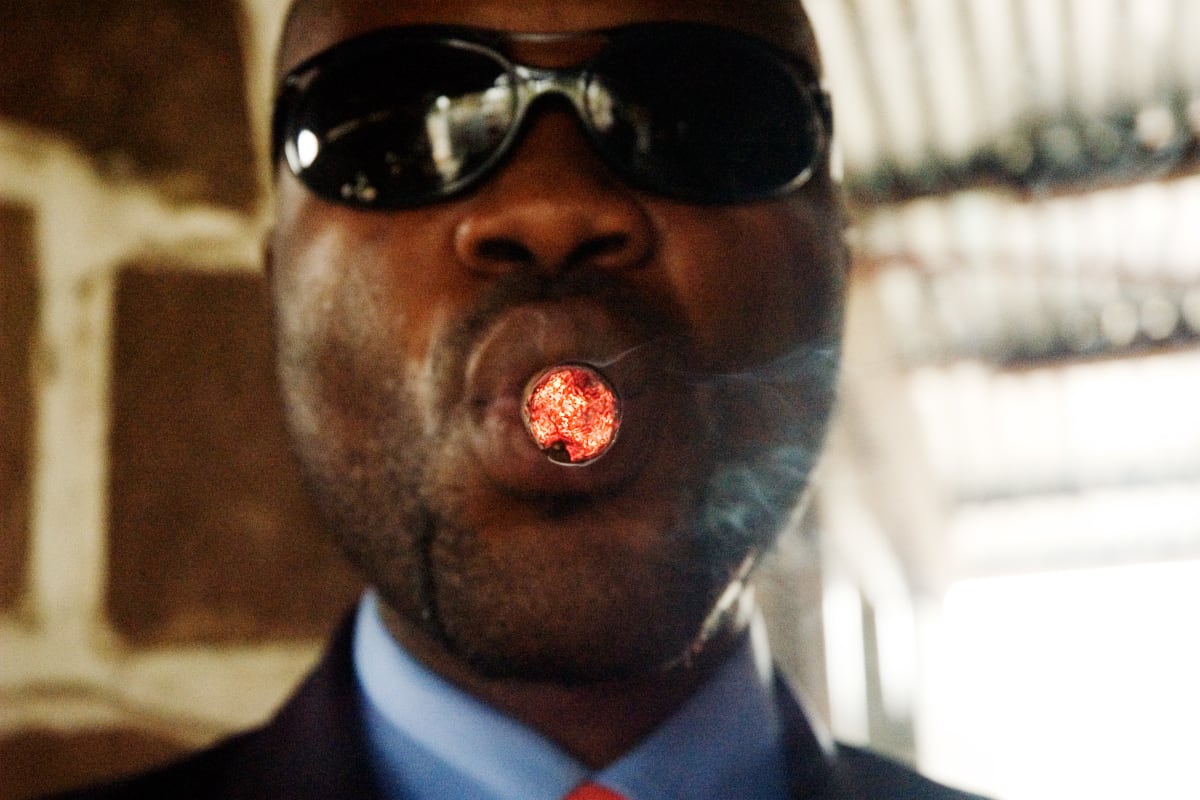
x,y
572,414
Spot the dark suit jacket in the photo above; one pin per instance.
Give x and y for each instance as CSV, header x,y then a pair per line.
x,y
314,748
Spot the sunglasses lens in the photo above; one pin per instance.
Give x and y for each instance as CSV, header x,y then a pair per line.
x,y
396,126
701,114
705,117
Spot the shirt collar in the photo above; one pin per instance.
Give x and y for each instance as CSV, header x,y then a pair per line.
x,y
727,741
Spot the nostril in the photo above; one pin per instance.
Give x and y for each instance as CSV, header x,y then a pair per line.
x,y
503,251
595,249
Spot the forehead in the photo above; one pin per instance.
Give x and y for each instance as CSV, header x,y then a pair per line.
x,y
315,25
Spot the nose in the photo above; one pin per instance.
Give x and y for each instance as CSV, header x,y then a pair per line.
x,y
554,206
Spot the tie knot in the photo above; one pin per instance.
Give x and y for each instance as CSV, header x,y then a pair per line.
x,y
592,791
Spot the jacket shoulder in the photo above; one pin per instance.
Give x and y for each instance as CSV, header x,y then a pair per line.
x,y
860,774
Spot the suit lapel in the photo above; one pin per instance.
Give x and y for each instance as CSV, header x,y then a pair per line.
x,y
811,754
315,747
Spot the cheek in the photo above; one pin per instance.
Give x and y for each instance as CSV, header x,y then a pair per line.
x,y
755,280
348,346
375,284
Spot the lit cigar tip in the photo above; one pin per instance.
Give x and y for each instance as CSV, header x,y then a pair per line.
x,y
572,413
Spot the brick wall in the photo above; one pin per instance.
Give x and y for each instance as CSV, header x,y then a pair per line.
x,y
161,577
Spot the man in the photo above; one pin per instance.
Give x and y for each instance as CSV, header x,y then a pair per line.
x,y
469,192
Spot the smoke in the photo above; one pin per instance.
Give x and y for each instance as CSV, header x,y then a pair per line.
x,y
780,410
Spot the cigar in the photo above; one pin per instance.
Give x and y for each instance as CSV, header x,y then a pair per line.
x,y
572,412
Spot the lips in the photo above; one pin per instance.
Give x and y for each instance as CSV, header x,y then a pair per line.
x,y
520,345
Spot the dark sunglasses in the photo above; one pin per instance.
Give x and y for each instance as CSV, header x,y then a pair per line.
x,y
409,116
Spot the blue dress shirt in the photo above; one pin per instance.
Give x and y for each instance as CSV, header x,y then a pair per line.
x,y
432,741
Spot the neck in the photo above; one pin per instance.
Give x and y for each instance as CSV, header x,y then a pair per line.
x,y
596,723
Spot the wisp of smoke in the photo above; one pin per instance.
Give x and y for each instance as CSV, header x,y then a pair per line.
x,y
753,491
751,496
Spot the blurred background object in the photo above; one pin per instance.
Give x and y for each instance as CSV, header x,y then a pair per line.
x,y
1011,504
998,578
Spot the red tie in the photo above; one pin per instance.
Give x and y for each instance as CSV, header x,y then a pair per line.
x,y
592,791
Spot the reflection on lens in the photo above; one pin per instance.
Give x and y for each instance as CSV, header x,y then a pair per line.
x,y
308,146
467,129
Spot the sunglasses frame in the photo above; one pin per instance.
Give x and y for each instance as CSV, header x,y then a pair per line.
x,y
531,84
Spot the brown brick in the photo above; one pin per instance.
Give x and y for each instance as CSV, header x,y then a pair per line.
x,y
211,537
152,89
38,762
18,326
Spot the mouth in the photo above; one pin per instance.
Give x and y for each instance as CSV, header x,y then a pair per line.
x,y
524,345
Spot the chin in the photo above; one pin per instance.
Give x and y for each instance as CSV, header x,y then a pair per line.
x,y
606,591
588,657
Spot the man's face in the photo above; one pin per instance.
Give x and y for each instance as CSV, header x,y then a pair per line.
x,y
405,337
